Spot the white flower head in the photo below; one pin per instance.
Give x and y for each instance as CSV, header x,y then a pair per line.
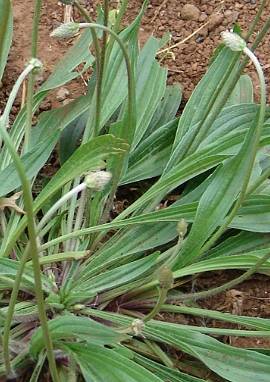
x,y
233,41
98,180
66,30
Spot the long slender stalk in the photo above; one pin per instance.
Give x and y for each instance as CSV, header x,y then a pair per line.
x,y
99,70
124,132
31,79
102,64
28,205
86,135
160,301
231,284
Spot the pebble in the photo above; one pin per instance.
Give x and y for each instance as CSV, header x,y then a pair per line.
x,y
190,12
215,20
62,94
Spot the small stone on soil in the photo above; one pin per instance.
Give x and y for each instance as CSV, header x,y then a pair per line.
x,y
62,94
215,20
190,12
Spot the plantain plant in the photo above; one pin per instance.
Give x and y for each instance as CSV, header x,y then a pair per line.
x,y
86,293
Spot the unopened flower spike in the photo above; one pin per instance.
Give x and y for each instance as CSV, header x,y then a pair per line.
x,y
66,30
182,227
98,180
165,277
137,327
233,41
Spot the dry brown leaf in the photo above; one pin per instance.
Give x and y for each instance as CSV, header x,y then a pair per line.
x,y
11,203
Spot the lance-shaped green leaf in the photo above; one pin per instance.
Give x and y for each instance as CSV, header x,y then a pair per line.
x,y
113,278
68,327
218,199
101,364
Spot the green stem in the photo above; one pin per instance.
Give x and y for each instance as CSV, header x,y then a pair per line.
x,y
231,284
28,203
161,300
102,63
31,80
131,120
252,156
29,112
85,14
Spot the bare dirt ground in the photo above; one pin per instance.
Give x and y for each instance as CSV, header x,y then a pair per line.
x,y
186,66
